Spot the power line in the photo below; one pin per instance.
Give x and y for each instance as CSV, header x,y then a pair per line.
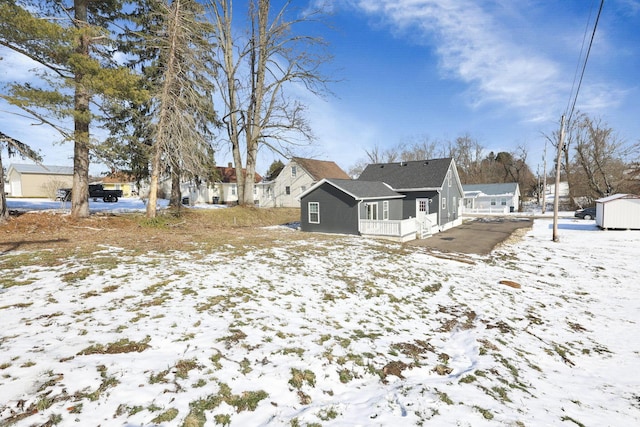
x,y
584,65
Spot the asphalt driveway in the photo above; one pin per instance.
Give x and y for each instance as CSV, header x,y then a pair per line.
x,y
475,235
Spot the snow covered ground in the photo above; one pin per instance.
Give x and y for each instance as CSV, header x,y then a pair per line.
x,y
340,331
123,205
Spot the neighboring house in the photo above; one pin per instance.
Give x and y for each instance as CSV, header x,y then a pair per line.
x,y
619,211
491,198
295,178
225,190
120,181
399,201
37,180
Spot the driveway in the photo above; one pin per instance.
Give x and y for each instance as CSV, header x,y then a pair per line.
x,y
475,235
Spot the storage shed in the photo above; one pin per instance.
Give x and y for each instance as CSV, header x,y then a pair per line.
x,y
619,211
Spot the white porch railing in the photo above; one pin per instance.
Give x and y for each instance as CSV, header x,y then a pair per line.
x,y
489,210
426,228
403,230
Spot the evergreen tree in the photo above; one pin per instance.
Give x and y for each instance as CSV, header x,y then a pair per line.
x,y
70,40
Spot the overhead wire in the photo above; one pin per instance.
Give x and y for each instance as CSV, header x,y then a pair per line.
x,y
569,115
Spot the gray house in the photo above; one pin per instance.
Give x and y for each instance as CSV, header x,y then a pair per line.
x,y
399,201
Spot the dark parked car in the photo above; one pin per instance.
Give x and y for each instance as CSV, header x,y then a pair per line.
x,y
587,213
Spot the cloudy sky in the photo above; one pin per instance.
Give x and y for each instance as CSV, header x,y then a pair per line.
x,y
498,70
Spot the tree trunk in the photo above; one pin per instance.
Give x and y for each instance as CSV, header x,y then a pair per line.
x,y
82,98
175,201
153,184
4,212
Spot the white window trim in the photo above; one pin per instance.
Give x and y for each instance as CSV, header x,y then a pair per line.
x,y
444,203
385,210
317,204
370,208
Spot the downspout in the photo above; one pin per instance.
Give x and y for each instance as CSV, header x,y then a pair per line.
x,y
359,219
440,209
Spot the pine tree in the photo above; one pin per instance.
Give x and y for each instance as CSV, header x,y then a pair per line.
x,y
70,40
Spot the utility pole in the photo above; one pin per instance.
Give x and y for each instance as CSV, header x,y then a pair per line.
x,y
557,189
538,187
544,178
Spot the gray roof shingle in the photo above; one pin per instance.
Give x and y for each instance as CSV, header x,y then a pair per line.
x,y
492,189
409,175
43,169
365,189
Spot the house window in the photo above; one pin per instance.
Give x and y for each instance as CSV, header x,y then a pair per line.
x,y
385,210
255,190
314,213
422,206
287,190
444,203
372,211
493,202
233,190
503,202
294,171
449,177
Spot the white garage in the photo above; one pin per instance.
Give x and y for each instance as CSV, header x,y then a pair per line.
x,y
621,211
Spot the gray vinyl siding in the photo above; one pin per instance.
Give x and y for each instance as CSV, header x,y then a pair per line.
x,y
409,202
338,211
395,209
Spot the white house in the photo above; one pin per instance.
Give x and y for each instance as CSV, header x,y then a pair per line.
x,y
295,178
222,191
37,180
491,198
619,211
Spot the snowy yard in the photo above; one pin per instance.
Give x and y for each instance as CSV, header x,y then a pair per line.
x,y
330,332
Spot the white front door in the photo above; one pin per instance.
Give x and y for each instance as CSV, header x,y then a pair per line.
x,y
422,209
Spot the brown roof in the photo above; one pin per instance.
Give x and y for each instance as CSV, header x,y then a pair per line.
x,y
117,178
228,174
320,169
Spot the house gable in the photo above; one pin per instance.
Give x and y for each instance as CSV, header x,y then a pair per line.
x,y
296,178
340,204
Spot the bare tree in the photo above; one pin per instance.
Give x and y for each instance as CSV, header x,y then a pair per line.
x,y
256,70
467,153
379,155
602,159
183,98
418,148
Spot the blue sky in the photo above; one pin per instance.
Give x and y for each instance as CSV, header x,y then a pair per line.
x,y
498,70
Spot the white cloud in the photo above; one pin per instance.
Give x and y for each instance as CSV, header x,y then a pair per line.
x,y
480,44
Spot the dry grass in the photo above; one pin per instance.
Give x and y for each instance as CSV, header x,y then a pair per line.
x,y
188,229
